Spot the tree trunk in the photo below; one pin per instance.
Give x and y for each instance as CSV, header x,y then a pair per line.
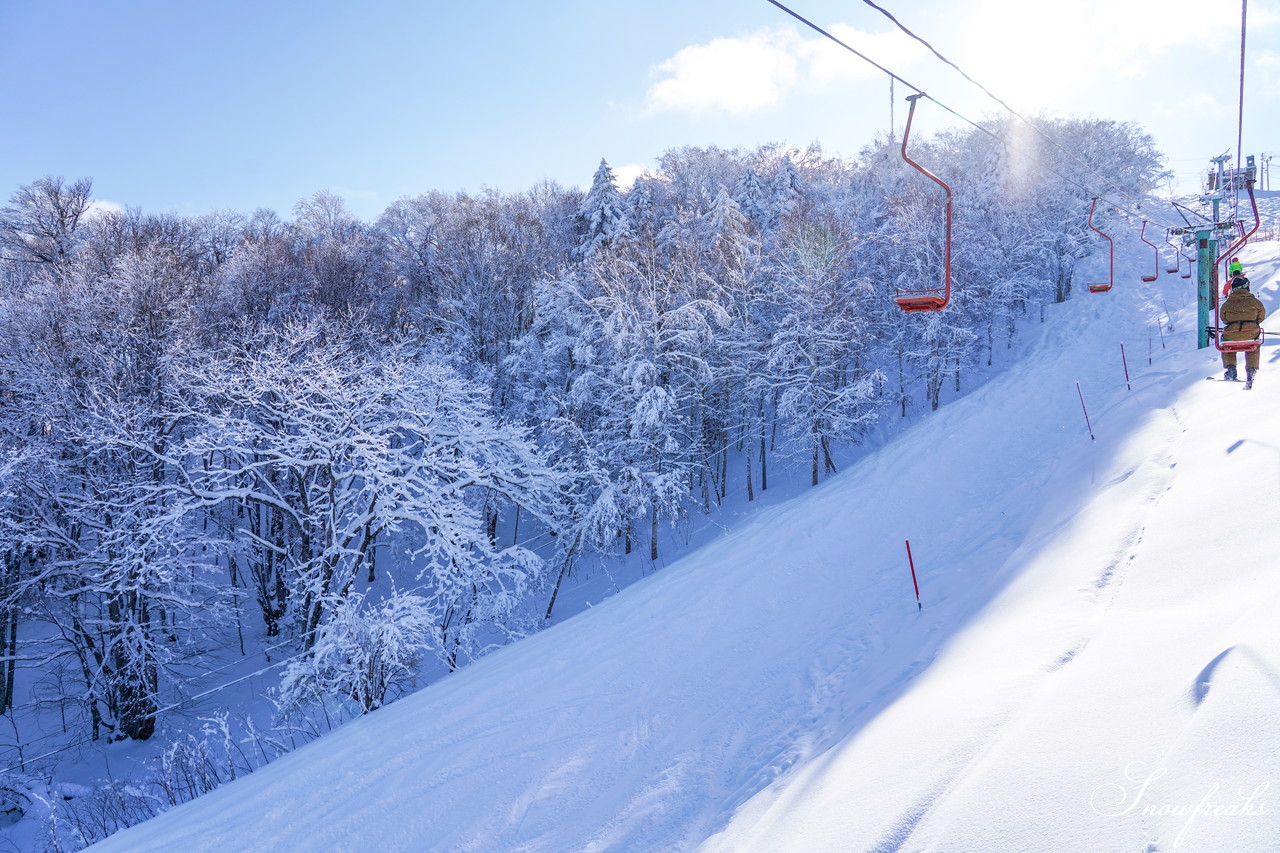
x,y
902,382
724,472
8,633
133,671
826,456
764,470
653,533
564,571
814,479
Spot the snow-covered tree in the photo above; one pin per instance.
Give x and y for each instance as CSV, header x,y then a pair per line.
x,y
603,213
786,193
368,652
343,449
823,392
596,361
40,224
105,559
752,198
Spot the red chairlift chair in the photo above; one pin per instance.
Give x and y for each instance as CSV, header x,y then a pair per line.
x,y
1171,266
934,299
1236,346
1143,238
1103,287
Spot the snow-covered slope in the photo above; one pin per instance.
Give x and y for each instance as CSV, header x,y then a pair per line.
x,y
1122,692
1095,614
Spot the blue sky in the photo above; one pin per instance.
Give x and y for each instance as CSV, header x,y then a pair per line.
x,y
191,107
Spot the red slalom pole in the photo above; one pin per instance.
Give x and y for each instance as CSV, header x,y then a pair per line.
x,y
914,582
1086,412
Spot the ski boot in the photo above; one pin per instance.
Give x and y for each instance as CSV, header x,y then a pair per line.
x,y
1248,376
1230,373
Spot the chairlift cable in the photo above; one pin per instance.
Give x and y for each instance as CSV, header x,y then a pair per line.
x,y
968,121
1028,122
880,67
811,25
934,51
1182,207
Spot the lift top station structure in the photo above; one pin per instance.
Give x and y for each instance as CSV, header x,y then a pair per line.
x,y
1222,187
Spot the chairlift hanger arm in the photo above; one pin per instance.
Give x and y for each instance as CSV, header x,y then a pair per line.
x,y
1099,287
1239,244
1236,346
913,301
1177,252
1144,239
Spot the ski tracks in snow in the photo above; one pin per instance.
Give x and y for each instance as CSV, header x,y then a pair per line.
x,y
1117,539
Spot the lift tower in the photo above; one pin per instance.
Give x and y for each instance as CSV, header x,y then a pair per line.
x,y
1220,183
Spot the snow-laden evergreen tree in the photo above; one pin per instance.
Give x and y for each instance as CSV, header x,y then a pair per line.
x,y
603,215
786,192
752,198
725,229
642,208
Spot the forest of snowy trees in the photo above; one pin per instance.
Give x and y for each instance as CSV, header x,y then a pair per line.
x,y
340,439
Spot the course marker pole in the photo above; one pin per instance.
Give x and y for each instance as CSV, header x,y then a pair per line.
x,y
1086,412
911,562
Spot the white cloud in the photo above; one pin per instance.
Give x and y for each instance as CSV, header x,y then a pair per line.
x,y
100,207
626,175
734,75
828,62
1056,54
1266,75
743,75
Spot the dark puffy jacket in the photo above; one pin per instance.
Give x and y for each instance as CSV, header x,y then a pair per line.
x,y
1242,314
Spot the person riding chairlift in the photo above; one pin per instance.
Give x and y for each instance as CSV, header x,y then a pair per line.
x,y
1234,269
1242,315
